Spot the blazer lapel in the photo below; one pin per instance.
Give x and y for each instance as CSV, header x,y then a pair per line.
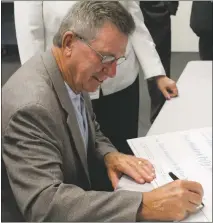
x,y
91,129
61,91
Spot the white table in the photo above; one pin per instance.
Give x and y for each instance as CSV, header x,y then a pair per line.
x,y
193,107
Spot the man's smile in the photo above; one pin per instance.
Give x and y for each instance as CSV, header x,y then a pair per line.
x,y
97,79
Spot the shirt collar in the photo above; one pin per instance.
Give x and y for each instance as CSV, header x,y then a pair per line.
x,y
72,94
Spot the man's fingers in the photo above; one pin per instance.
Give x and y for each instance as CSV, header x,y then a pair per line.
x,y
166,94
149,171
146,166
170,92
146,176
193,186
139,169
143,170
173,91
147,163
191,208
131,171
194,198
114,178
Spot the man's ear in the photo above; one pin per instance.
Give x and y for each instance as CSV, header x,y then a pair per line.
x,y
67,41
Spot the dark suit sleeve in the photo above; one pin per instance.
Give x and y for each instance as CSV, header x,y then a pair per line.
x,y
33,160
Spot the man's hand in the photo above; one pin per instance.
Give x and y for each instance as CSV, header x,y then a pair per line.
x,y
171,202
139,169
167,86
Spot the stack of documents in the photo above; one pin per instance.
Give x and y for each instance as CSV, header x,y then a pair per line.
x,y
188,154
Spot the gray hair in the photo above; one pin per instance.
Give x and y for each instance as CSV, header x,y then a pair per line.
x,y
85,18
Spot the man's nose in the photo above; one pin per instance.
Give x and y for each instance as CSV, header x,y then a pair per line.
x,y
110,70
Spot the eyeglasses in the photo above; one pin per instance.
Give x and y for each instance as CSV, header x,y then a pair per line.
x,y
104,59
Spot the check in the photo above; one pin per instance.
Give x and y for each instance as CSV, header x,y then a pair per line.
x,y
188,154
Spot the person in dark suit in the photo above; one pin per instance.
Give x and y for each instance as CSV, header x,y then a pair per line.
x,y
52,146
201,24
157,20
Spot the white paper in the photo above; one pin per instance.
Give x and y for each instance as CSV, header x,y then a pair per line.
x,y
188,154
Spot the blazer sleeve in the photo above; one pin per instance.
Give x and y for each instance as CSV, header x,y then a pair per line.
x,y
32,156
29,28
143,44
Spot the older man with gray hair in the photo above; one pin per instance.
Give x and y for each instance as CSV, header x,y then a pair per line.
x,y
37,22
51,142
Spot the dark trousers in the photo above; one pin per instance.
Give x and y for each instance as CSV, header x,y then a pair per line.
x,y
117,115
161,34
206,46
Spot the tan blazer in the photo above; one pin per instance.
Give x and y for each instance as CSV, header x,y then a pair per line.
x,y
45,167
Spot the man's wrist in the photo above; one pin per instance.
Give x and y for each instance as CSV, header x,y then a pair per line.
x,y
144,211
108,154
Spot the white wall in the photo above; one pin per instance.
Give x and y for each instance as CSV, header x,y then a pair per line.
x,y
183,38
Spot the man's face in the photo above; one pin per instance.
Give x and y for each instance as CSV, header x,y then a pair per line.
x,y
85,69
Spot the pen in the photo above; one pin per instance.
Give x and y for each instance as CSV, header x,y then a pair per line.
x,y
174,177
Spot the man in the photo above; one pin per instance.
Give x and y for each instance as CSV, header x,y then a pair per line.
x,y
51,141
116,101
157,20
201,24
